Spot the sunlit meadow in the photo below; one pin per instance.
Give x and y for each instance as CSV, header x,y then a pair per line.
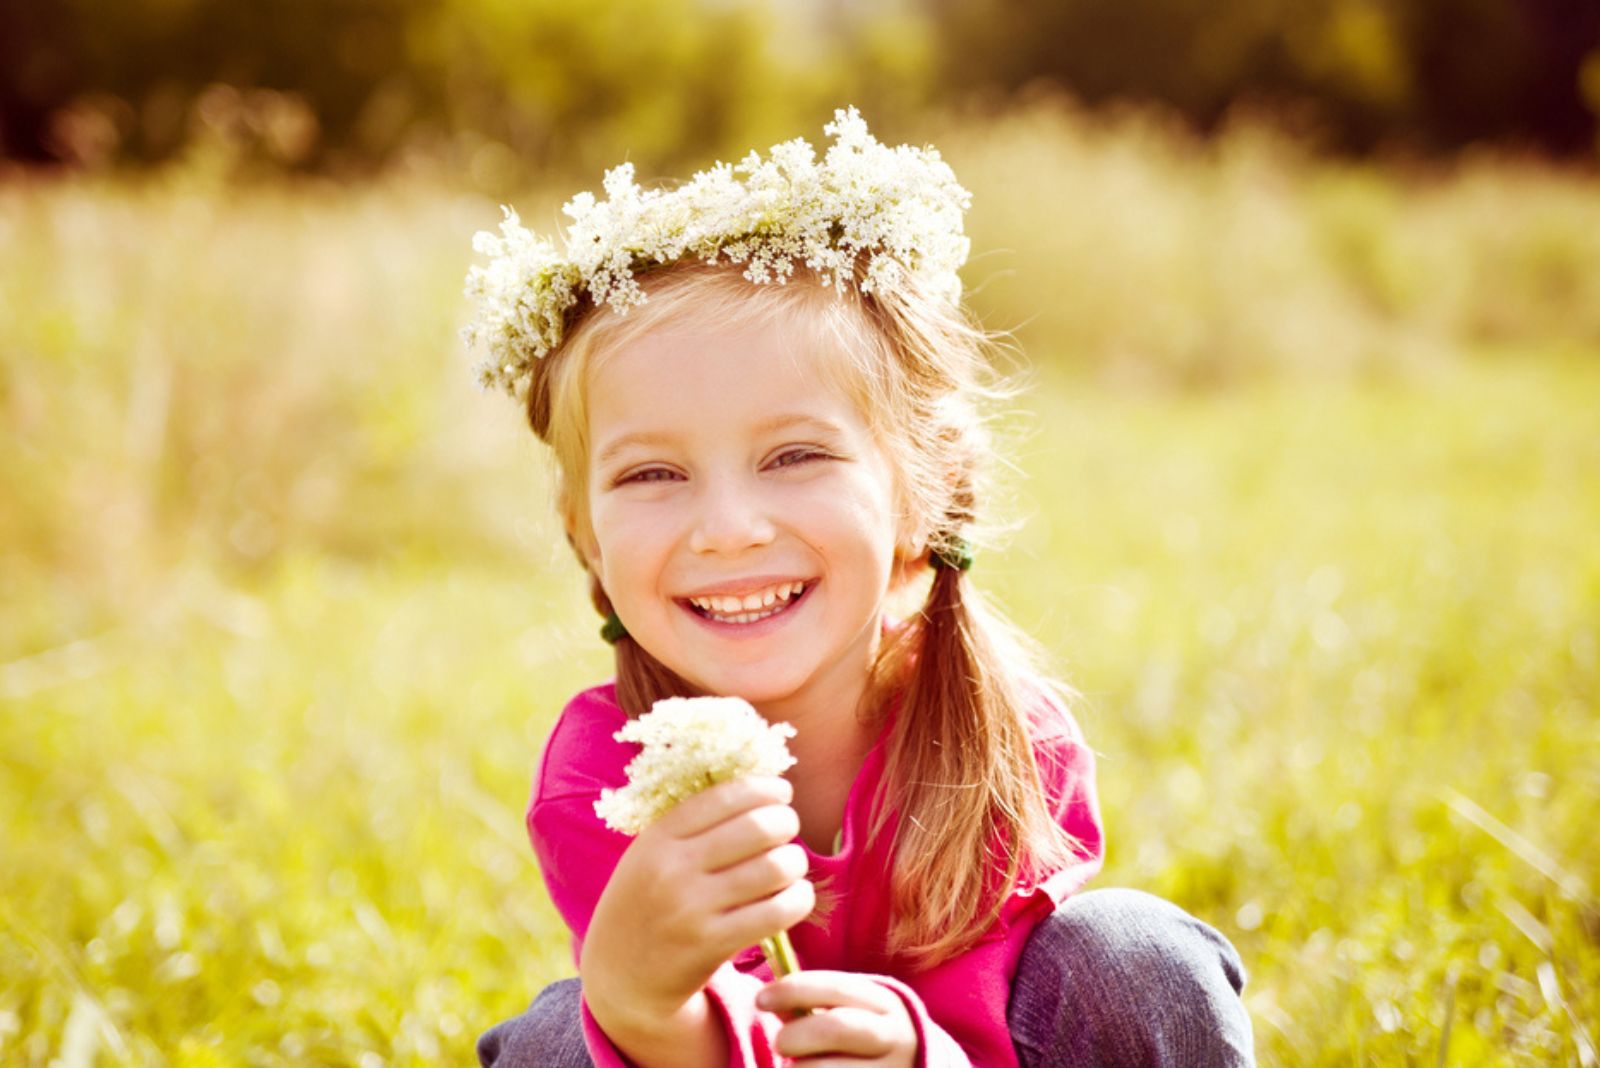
x,y
1308,485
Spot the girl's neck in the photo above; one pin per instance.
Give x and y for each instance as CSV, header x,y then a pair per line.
x,y
832,739
825,769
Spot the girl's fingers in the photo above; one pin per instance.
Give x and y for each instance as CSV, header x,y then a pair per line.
x,y
749,924
850,1032
826,990
759,877
720,803
745,835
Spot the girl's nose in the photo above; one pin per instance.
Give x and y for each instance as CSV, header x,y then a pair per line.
x,y
730,521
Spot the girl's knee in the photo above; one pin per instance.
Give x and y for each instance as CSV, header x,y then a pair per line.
x,y
1123,977
548,1035
1143,934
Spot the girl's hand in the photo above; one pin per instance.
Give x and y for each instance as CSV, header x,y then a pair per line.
x,y
716,874
855,1021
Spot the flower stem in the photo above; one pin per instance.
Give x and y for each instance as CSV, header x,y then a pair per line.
x,y
780,954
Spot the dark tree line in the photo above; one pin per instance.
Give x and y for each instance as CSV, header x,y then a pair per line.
x,y
348,84
1432,75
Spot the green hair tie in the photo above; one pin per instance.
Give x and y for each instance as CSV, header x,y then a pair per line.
x,y
954,555
612,629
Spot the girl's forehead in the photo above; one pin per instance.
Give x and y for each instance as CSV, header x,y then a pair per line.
x,y
690,366
698,382
702,341
678,375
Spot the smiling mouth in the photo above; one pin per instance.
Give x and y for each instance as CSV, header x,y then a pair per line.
x,y
751,607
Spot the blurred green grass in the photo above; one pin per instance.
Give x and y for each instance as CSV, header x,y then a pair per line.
x,y
1307,509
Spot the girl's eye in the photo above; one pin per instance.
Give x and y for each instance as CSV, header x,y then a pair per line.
x,y
792,457
648,474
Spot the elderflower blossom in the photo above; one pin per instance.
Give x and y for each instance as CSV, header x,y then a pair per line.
x,y
691,743
898,209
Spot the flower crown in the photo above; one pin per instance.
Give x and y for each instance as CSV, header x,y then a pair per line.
x,y
901,208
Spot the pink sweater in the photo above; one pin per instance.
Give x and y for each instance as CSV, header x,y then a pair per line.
x,y
958,1007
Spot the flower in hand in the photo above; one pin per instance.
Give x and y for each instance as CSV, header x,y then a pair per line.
x,y
691,743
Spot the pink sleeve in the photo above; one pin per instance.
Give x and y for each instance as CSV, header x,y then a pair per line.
x,y
750,1032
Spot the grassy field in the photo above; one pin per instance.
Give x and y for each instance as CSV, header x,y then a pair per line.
x,y
1307,510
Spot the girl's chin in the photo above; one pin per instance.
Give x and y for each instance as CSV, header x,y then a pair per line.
x,y
758,693
759,685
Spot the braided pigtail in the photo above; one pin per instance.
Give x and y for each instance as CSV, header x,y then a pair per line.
x,y
963,797
961,732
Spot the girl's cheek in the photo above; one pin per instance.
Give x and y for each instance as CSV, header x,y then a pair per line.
x,y
610,520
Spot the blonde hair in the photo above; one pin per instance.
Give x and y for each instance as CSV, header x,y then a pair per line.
x,y
961,794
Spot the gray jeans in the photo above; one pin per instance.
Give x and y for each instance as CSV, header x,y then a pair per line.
x,y
1112,978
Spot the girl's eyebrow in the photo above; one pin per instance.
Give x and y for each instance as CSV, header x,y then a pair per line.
x,y
617,446
784,422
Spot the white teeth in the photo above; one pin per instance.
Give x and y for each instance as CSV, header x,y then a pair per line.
x,y
750,602
750,607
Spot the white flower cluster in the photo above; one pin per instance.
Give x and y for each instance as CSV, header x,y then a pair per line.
x,y
691,743
899,207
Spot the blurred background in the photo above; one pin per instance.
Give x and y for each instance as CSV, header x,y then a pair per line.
x,y
505,90
1303,489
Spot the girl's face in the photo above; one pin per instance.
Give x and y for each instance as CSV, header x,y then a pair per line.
x,y
742,514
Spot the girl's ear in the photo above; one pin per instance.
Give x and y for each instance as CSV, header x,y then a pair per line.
x,y
910,558
907,570
911,540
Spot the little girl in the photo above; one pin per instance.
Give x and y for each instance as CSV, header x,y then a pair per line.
x,y
763,398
